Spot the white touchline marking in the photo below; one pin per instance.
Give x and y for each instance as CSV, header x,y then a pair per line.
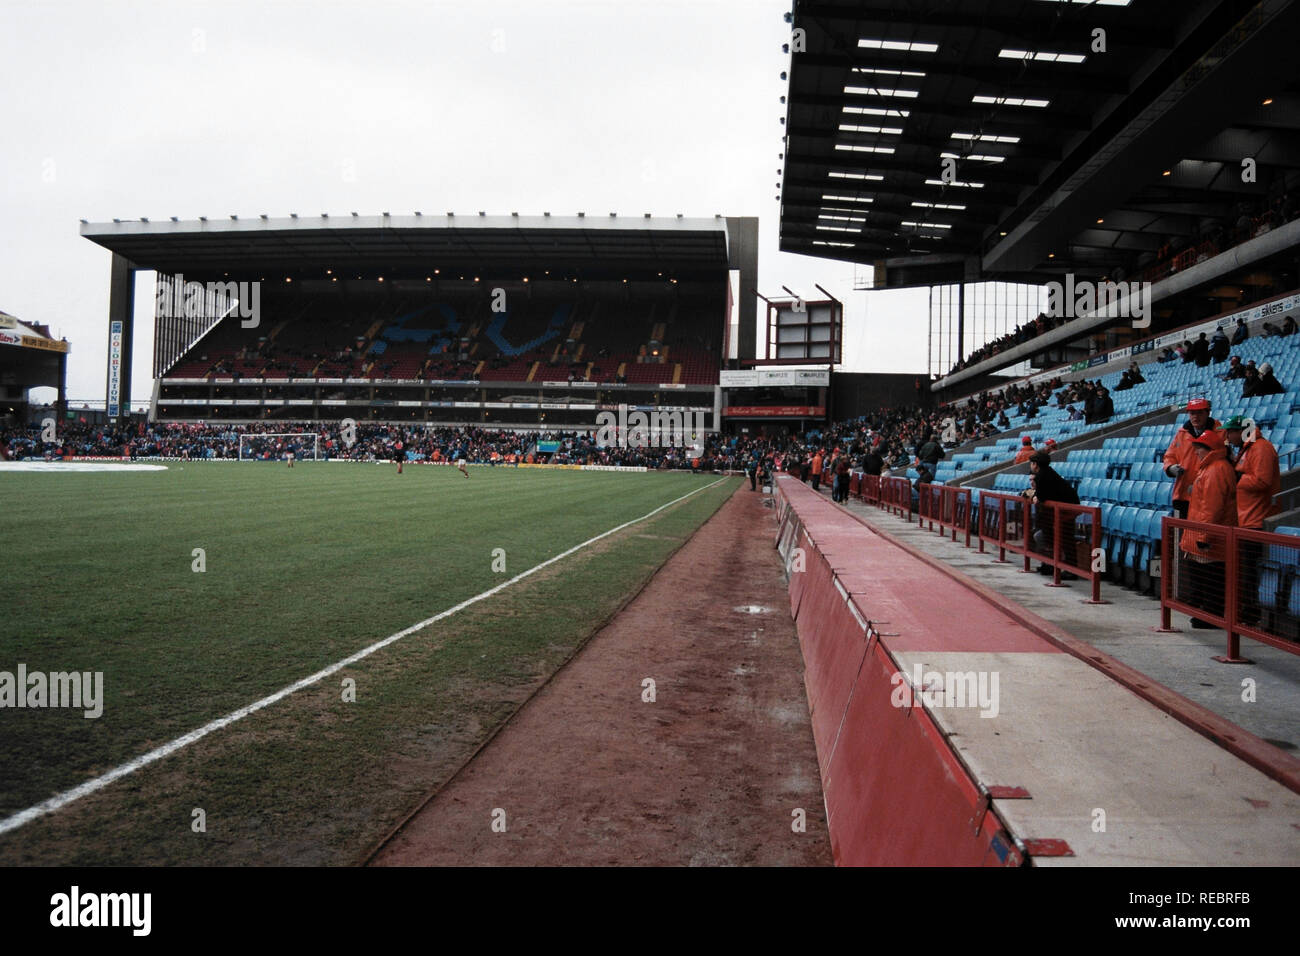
x,y
61,800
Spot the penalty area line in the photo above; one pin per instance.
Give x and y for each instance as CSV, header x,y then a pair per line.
x,y
61,800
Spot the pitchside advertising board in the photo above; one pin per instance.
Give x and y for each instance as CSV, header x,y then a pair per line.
x,y
1271,310
114,368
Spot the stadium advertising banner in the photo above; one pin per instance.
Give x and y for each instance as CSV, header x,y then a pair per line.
x,y
32,342
114,368
774,378
775,411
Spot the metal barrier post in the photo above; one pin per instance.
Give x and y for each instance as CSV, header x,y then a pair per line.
x,y
1166,578
1230,573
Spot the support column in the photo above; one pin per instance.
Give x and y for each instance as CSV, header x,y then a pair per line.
x,y
61,403
121,336
961,321
742,254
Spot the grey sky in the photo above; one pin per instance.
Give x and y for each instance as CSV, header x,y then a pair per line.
x,y
130,109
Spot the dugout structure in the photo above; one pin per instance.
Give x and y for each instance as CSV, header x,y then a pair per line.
x,y
448,319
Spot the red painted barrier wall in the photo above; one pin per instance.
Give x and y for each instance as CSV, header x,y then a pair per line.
x,y
896,794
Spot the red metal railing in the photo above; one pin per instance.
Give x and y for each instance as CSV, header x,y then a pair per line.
x,y
1075,543
889,494
1003,522
1009,522
896,496
950,507
1246,582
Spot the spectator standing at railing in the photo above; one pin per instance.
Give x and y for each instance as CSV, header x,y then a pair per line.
x,y
841,472
1048,486
1180,459
872,462
1213,501
1259,479
930,452
816,469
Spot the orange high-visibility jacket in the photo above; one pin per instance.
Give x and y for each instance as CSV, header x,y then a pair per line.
x,y
1213,501
1259,479
1181,452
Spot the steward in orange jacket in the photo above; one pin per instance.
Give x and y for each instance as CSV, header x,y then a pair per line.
x,y
1258,480
1025,452
1180,459
1213,501
1259,477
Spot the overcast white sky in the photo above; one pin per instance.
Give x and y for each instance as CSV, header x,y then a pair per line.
x,y
181,108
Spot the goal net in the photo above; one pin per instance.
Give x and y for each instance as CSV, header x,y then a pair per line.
x,y
305,446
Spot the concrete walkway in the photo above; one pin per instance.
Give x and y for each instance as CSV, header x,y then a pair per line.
x,y
1123,629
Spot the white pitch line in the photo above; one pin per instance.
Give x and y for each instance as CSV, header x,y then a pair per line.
x,y
61,800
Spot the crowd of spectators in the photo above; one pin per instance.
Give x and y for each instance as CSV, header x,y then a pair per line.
x,y
1248,221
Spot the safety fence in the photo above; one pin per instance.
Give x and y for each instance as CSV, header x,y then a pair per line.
x,y
950,507
1244,581
888,494
1063,537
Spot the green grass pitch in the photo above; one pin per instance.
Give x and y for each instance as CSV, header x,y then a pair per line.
x,y
303,568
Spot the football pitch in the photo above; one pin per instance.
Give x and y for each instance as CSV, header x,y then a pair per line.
x,y
201,590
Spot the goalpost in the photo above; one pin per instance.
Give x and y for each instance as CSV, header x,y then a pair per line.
x,y
277,446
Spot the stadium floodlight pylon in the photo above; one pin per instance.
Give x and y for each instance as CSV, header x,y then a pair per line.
x,y
276,446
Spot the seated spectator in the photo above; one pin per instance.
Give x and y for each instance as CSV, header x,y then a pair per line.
x,y
1235,369
1075,414
1271,330
1250,382
1241,334
1026,450
1289,326
1268,385
1185,350
1168,355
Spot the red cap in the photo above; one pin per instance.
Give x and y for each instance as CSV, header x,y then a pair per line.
x,y
1026,440
1051,443
1210,439
1198,404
